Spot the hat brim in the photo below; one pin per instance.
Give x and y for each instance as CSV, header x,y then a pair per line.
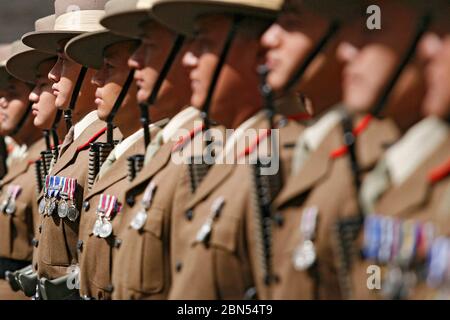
x,y
180,15
88,49
24,65
127,23
48,41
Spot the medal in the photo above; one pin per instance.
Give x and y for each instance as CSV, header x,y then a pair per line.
x,y
105,210
371,237
3,206
206,229
97,226
72,212
304,255
43,202
50,201
140,218
13,193
42,206
100,212
11,207
105,229
387,239
438,267
408,244
63,207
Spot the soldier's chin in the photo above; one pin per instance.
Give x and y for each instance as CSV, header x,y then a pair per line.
x,y
61,104
142,95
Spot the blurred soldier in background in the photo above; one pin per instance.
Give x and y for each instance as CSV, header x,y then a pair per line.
x,y
18,187
405,198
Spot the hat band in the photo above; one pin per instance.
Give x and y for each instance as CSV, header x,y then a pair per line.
x,y
82,20
144,4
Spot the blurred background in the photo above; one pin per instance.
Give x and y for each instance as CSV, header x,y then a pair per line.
x,y
17,16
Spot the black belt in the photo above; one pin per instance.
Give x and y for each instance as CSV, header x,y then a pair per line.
x,y
11,265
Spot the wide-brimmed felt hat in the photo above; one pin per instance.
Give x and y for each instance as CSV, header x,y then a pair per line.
x,y
72,17
5,52
88,49
24,61
180,15
127,17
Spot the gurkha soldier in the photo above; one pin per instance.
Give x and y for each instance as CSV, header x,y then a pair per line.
x,y
60,202
405,199
219,258
116,99
318,212
33,66
17,203
141,268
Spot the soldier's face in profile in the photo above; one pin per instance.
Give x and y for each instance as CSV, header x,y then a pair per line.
x,y
238,81
372,59
44,110
109,81
64,76
288,42
13,104
435,52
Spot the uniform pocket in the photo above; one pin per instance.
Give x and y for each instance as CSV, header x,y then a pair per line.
x,y
145,265
52,245
96,267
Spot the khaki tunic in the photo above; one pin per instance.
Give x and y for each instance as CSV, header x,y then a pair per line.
x,y
17,231
142,268
325,184
95,253
226,266
57,247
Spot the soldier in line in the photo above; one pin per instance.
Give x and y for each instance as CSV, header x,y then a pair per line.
x,y
17,220
220,254
318,207
100,225
68,179
405,198
141,268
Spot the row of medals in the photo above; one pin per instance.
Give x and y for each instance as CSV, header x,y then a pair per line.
x,y
63,206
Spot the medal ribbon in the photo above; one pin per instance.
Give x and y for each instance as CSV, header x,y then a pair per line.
x,y
148,195
13,191
111,207
46,186
51,188
58,186
308,223
72,187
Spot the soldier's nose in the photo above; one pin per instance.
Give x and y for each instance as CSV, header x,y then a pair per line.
x,y
271,38
189,59
33,97
346,52
3,103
